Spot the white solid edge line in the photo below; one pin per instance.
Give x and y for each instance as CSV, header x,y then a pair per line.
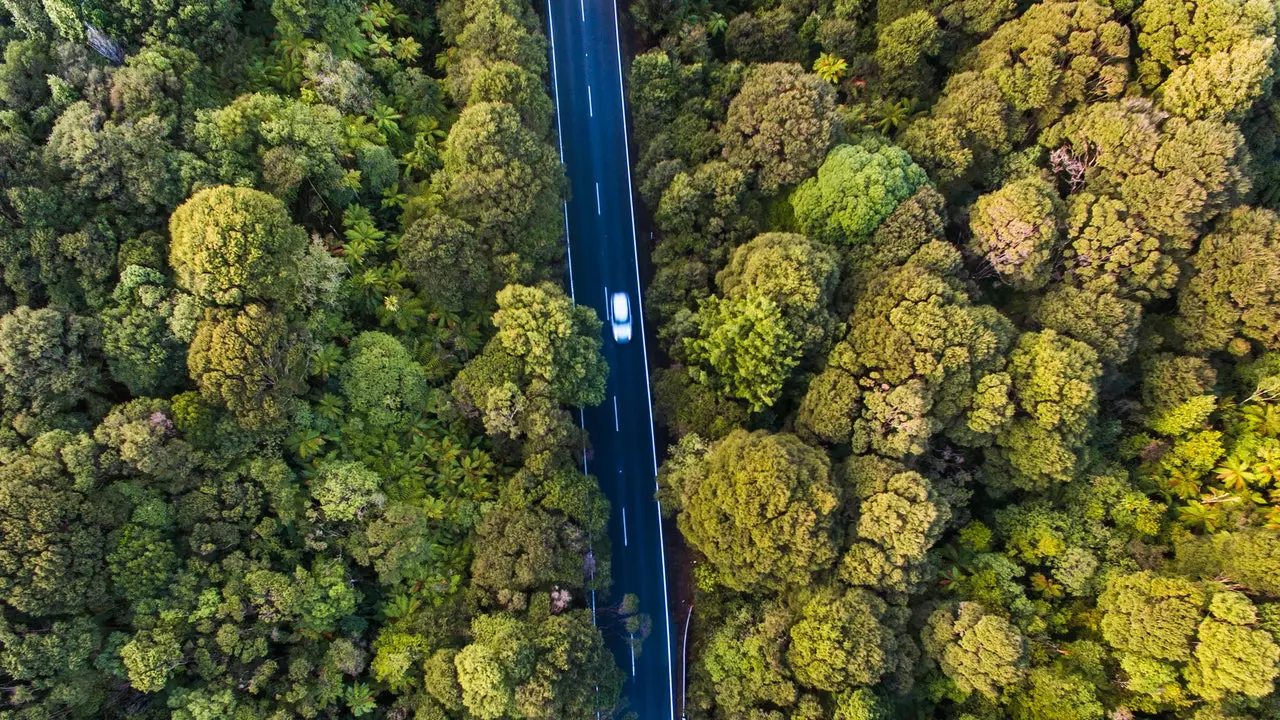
x,y
653,443
564,204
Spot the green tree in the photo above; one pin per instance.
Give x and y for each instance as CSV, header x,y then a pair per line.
x,y
1055,395
841,639
899,516
54,527
1016,230
1104,322
546,350
1171,176
780,125
1224,85
1175,34
519,87
902,48
447,260
282,145
1151,616
346,490
975,649
381,381
492,33
142,352
743,349
505,182
918,358
48,365
1237,269
131,165
151,658
232,245
799,276
744,659
249,361
857,187
758,505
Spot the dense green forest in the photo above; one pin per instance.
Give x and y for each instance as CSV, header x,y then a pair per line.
x,y
971,321
286,369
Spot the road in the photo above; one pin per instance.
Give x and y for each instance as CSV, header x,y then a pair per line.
x,y
591,119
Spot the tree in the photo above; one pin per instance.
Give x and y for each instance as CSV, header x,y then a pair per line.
x,y
1171,176
1109,251
857,187
1224,85
131,165
1055,394
505,182
54,522
705,212
841,639
902,48
1057,55
142,352
231,246
1151,616
899,515
764,36
139,437
346,490
1104,322
494,32
743,349
519,87
381,381
500,658
446,259
1231,657
48,367
282,145
684,405
799,276
918,358
744,659
1016,230
1057,692
1175,34
830,68
545,354
977,650
249,361
1237,275
780,125
758,506
151,657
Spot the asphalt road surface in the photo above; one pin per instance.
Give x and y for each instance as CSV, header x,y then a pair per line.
x,y
591,118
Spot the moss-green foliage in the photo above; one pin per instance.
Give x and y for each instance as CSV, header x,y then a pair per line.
x,y
1016,230
245,253
780,125
758,505
857,187
1230,295
231,246
965,327
977,651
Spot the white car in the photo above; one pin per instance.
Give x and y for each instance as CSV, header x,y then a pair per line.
x,y
620,317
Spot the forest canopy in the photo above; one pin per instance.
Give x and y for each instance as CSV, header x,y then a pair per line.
x,y
968,321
